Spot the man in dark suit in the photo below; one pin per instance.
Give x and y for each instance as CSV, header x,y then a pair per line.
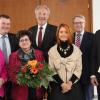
x,y
84,40
95,69
48,31
43,34
10,42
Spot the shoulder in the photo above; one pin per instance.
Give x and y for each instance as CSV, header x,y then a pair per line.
x,y
76,50
33,27
89,33
14,54
52,50
97,32
52,26
38,52
11,35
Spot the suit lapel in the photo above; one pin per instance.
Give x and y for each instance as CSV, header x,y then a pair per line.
x,y
83,42
45,36
34,35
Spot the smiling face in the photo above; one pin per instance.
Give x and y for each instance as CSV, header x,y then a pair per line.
x,y
63,34
4,25
79,24
25,43
42,16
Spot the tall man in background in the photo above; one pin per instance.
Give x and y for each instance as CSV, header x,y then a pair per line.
x,y
84,40
8,44
43,35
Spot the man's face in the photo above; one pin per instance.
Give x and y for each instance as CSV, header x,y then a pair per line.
x,y
79,24
4,25
42,16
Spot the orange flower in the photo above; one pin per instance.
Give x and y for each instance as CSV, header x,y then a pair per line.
x,y
32,62
34,70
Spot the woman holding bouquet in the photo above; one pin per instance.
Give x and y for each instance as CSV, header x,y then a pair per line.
x,y
20,58
65,60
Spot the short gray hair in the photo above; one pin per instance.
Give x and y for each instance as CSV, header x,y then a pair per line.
x,y
79,16
42,7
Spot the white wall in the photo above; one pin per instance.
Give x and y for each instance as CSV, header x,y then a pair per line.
x,y
96,14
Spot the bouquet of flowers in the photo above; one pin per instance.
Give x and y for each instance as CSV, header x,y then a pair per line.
x,y
35,74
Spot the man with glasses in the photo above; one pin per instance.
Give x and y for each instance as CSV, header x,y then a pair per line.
x,y
84,40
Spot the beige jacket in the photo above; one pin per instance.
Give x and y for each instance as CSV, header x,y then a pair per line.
x,y
68,66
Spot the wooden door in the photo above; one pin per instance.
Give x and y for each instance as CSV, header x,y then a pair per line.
x,y
22,11
62,11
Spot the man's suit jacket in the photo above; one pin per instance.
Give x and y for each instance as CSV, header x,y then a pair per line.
x,y
49,38
86,45
96,55
13,42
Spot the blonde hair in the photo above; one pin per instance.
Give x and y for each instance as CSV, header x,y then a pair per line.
x,y
68,29
42,7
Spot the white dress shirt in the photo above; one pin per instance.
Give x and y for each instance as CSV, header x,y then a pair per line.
x,y
43,32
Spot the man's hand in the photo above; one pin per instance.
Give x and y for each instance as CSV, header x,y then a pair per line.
x,y
94,81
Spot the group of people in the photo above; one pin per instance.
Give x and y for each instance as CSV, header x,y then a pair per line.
x,y
74,58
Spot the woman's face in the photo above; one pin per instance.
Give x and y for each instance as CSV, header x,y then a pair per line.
x,y
63,34
25,43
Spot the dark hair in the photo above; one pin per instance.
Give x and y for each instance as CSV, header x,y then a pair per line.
x,y
4,16
68,29
23,33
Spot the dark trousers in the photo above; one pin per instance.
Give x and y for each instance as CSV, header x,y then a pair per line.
x,y
87,90
98,89
1,98
8,87
36,94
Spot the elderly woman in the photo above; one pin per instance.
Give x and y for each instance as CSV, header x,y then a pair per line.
x,y
21,57
65,60
3,75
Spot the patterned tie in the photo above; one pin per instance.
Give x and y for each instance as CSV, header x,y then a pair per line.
x,y
78,41
4,48
40,37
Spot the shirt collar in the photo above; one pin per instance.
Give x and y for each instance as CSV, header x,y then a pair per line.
x,y
82,32
5,35
44,26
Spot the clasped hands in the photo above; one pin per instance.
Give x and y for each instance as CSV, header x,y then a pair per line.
x,y
66,86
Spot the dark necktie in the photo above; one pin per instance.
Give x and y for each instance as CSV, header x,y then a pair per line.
x,y
78,40
40,37
4,48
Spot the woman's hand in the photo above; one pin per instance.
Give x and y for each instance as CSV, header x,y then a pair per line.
x,y
1,82
66,86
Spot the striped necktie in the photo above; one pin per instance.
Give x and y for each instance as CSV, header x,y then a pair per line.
x,y
78,40
4,48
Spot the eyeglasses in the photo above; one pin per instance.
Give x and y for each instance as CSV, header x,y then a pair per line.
x,y
22,40
78,23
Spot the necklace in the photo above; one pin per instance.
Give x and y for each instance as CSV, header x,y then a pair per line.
x,y
64,50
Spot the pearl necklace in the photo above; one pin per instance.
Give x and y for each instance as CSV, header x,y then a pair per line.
x,y
64,50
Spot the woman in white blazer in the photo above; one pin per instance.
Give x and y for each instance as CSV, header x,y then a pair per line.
x,y
65,60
